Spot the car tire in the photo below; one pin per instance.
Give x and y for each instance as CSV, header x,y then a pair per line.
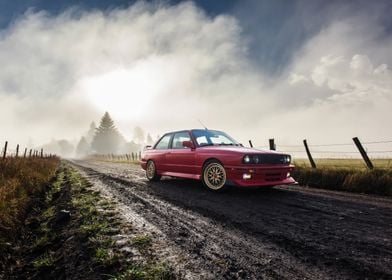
x,y
151,171
214,176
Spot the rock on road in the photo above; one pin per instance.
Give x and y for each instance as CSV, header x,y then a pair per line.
x,y
281,233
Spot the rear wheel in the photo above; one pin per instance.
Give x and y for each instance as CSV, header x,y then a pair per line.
x,y
151,171
214,175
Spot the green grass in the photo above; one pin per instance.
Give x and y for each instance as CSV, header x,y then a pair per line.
x,y
105,256
41,242
93,228
44,261
142,241
147,272
49,213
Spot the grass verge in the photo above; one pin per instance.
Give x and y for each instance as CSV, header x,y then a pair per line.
x,y
376,181
98,226
71,231
22,182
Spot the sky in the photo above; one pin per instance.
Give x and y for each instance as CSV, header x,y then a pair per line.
x,y
257,69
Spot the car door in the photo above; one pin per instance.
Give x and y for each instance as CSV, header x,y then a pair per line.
x,y
181,159
160,152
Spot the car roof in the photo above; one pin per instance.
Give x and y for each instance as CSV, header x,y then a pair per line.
x,y
189,130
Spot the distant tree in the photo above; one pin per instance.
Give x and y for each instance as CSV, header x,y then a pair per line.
x,y
149,140
138,135
59,147
91,132
107,139
83,148
131,147
66,148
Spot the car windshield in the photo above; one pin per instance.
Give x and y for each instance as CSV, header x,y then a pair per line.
x,y
206,137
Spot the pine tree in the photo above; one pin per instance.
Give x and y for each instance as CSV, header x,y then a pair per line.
x,y
91,133
107,139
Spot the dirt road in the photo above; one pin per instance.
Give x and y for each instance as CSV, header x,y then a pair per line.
x,y
281,233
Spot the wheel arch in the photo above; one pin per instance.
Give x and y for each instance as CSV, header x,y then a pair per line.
x,y
206,161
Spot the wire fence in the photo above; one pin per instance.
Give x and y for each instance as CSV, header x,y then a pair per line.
x,y
367,150
135,156
7,152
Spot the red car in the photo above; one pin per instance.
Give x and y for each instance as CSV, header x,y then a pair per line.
x,y
216,159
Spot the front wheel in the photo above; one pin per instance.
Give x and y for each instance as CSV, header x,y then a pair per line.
x,y
214,176
151,171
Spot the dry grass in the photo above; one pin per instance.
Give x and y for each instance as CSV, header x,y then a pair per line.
x,y
344,163
21,181
360,180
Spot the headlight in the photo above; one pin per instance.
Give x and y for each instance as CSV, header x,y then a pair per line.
x,y
251,159
246,159
288,159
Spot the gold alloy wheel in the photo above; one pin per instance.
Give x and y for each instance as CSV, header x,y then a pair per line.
x,y
150,172
214,176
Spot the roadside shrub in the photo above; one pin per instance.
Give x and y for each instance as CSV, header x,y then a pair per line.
x,y
370,181
21,181
376,181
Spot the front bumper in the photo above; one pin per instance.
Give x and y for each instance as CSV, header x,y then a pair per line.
x,y
259,176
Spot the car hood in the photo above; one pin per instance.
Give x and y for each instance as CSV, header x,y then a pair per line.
x,y
237,149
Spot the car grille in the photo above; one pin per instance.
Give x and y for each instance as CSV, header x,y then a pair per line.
x,y
271,159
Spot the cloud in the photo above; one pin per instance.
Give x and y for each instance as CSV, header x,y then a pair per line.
x,y
165,67
343,77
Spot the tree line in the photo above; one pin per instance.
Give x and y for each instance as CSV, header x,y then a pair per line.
x,y
104,139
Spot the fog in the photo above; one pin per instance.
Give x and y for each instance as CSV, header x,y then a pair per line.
x,y
163,67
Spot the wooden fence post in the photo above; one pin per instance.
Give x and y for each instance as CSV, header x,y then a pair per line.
x,y
140,155
272,144
312,163
5,149
42,153
17,151
31,151
363,153
250,143
25,152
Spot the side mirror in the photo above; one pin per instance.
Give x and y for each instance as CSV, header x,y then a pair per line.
x,y
188,144
147,147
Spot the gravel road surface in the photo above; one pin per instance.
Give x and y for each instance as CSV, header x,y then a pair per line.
x,y
281,233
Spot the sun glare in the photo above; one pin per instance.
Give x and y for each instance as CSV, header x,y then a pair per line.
x,y
126,93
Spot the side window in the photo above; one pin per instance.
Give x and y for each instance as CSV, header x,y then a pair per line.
x,y
164,143
179,138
